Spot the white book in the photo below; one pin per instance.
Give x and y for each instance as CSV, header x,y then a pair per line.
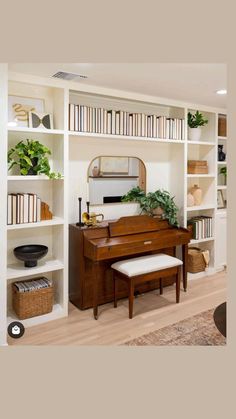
x,y
139,131
81,118
21,202
31,208
154,126
9,209
121,123
76,117
71,117
125,123
117,123
109,117
130,124
99,121
14,210
94,120
85,118
38,210
113,122
134,123
26,208
102,121
142,125
168,128
18,209
149,129
183,129
146,126
105,122
35,208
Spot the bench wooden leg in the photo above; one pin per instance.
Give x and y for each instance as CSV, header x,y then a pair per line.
x,y
178,278
115,290
161,286
131,298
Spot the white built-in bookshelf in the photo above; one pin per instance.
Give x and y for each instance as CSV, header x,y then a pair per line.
x,y
72,151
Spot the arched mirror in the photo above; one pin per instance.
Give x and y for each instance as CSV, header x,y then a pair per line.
x,y
111,177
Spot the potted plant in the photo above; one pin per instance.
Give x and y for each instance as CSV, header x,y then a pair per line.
x,y
158,203
223,171
31,157
195,122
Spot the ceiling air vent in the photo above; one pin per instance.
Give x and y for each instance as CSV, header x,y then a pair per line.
x,y
68,76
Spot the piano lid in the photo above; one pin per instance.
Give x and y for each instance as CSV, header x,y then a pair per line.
x,y
135,224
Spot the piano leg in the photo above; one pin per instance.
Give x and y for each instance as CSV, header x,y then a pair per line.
x,y
185,267
95,290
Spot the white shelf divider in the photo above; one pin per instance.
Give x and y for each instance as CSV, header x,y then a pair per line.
x,y
44,223
17,270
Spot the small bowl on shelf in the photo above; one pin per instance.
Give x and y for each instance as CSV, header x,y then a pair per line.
x,y
30,254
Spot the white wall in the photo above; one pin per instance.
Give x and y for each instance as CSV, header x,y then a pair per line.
x,y
156,157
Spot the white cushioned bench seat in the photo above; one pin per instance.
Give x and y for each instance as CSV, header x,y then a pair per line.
x,y
145,264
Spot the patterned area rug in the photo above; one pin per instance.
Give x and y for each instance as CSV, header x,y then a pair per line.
x,y
199,330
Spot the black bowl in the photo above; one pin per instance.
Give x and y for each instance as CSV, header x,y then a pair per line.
x,y
30,254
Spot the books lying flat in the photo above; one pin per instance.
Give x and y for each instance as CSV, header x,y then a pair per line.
x,y
108,121
23,208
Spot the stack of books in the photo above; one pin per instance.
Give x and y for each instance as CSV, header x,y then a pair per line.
x,y
102,121
23,208
201,227
33,285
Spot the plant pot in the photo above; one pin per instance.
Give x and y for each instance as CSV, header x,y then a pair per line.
x,y
158,212
31,171
194,134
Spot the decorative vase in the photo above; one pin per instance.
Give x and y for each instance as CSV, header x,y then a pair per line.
x,y
196,191
221,154
194,134
34,162
95,171
190,200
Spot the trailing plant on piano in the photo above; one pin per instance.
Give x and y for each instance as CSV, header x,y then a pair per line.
x,y
152,201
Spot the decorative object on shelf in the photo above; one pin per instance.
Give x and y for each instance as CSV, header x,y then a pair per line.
x,y
195,121
223,171
196,191
222,125
32,297
197,260
153,200
95,171
40,120
19,108
199,167
46,214
80,223
31,157
30,254
221,154
220,199
190,200
91,219
114,165
87,204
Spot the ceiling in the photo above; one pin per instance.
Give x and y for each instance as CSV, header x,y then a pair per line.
x,y
189,82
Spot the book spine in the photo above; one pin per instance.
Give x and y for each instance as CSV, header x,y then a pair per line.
x,y
105,122
102,121
113,122
121,123
38,219
109,118
71,117
76,118
117,131
9,209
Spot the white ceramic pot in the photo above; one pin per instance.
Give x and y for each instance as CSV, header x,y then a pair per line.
x,y
194,134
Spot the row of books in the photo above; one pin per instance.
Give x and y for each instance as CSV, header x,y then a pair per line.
x,y
201,227
99,120
23,208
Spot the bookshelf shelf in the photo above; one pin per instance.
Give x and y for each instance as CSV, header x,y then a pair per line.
x,y
222,187
31,178
17,270
201,207
208,239
36,130
122,137
57,312
45,223
204,143
222,163
222,138
201,175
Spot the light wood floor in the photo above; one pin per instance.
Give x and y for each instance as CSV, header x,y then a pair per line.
x,y
151,312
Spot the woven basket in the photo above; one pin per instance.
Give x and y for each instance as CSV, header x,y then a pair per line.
x,y
196,261
32,303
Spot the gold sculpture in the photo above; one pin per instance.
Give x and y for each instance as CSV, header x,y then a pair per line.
x,y
90,219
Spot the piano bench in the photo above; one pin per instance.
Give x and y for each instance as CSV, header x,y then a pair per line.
x,y
141,269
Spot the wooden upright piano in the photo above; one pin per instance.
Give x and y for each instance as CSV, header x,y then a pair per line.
x,y
92,250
